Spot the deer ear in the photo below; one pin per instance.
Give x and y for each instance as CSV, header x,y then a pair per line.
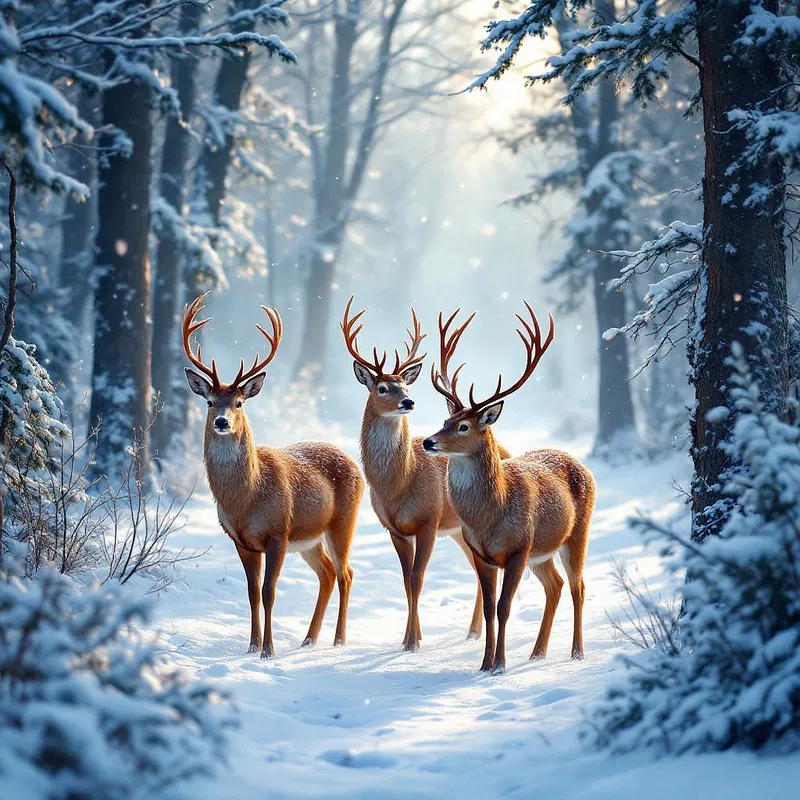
x,y
252,387
489,415
197,383
411,374
363,375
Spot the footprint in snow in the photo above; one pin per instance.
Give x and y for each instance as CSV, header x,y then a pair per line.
x,y
366,759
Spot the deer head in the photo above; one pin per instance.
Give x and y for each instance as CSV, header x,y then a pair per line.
x,y
388,391
465,431
226,401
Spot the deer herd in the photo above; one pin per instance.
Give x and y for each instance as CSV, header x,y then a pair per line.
x,y
504,512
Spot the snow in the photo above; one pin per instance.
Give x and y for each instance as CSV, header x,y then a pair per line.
x,y
370,721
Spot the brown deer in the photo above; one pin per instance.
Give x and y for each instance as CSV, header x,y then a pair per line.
x,y
302,498
408,488
515,512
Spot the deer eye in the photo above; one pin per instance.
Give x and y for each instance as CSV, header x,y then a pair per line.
x,y
382,390
238,404
463,427
210,403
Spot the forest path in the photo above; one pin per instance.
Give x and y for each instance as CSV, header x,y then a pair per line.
x,y
370,721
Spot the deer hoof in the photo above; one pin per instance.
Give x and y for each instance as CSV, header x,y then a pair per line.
x,y
265,653
411,647
338,642
537,656
498,668
254,648
487,665
472,635
308,642
577,655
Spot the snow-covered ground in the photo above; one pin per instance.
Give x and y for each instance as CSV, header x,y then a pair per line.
x,y
371,721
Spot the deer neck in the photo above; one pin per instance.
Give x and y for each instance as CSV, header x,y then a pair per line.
x,y
232,468
478,485
386,451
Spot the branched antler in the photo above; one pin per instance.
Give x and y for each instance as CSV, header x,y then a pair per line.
x,y
442,381
189,326
350,331
535,348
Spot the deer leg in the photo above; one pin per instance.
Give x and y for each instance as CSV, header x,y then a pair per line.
x,y
573,564
487,575
405,552
515,567
274,557
553,584
476,624
320,562
426,538
253,564
338,541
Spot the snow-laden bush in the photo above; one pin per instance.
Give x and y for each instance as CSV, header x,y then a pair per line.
x,y
734,682
88,707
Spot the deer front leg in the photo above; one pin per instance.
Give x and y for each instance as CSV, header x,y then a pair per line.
x,y
274,557
515,567
487,575
253,565
405,552
426,538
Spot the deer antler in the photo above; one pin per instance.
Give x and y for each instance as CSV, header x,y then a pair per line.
x,y
534,350
189,327
411,357
274,340
442,382
350,331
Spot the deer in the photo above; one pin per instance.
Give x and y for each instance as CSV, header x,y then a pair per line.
x,y
408,488
515,512
270,501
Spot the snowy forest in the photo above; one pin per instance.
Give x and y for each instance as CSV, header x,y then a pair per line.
x,y
319,194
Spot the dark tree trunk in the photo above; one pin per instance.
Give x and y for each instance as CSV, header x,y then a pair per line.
x,y
329,202
121,398
743,254
168,283
595,141
78,227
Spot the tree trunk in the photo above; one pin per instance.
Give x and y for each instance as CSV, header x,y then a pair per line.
x,y
329,201
743,254
594,142
121,399
78,226
168,284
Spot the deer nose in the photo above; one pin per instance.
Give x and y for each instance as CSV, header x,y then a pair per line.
x,y
429,444
221,423
407,403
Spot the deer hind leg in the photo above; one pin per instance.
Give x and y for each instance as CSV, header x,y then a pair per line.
x,y
573,557
338,540
476,625
405,553
553,584
320,562
253,564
